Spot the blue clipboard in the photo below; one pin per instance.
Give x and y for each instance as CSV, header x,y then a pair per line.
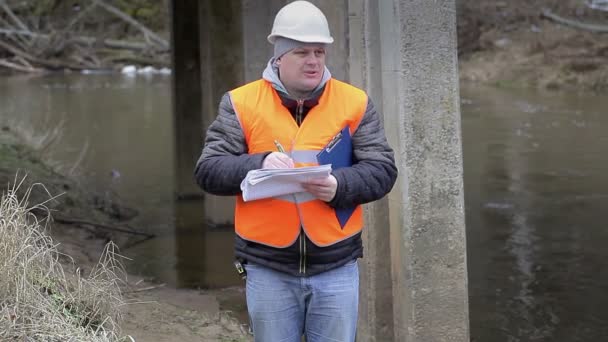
x,y
339,153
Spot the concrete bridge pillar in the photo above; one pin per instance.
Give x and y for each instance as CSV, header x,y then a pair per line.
x,y
376,304
427,208
403,52
257,23
222,64
187,104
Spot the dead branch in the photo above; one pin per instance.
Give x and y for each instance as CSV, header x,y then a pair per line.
x,y
71,221
50,64
16,51
17,67
85,56
154,287
573,23
129,58
13,16
147,32
110,43
24,62
20,40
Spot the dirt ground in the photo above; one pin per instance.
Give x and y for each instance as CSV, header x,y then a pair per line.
x,y
165,314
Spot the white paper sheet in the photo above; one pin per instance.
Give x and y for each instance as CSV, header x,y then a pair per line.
x,y
265,183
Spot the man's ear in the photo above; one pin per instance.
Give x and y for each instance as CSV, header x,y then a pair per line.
x,y
278,61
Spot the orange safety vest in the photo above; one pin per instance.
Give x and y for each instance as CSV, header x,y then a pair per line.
x,y
276,221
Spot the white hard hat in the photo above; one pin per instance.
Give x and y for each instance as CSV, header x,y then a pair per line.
x,y
301,21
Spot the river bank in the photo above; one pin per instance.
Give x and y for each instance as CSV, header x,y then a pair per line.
x,y
546,56
154,312
523,44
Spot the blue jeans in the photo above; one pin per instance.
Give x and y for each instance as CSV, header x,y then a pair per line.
x,y
283,307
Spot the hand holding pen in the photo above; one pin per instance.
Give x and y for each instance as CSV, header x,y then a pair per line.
x,y
278,160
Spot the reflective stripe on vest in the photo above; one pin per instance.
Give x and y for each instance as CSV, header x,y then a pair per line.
x,y
276,221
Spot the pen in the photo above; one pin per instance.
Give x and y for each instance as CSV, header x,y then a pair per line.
x,y
279,146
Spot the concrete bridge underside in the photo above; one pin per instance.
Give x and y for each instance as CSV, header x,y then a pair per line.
x,y
403,53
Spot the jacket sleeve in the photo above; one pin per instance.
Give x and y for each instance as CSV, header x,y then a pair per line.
x,y
224,162
374,172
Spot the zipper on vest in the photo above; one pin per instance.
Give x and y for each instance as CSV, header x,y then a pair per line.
x,y
299,119
304,245
302,252
299,111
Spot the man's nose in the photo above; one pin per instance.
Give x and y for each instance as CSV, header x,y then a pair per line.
x,y
312,59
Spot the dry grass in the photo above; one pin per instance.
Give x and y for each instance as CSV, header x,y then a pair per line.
x,y
38,300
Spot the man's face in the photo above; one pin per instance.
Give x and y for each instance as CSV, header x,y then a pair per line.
x,y
301,69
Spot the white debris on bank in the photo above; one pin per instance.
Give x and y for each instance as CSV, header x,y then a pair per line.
x,y
132,70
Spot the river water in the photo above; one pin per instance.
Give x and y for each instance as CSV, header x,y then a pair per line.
x,y
536,191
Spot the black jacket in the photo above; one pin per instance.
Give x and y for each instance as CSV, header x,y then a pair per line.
x,y
224,163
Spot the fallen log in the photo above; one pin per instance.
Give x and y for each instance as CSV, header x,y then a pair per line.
x,y
12,15
49,64
20,40
573,23
17,67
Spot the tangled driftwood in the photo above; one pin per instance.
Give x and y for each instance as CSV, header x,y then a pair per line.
x,y
25,49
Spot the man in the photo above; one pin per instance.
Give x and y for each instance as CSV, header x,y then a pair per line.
x,y
301,261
